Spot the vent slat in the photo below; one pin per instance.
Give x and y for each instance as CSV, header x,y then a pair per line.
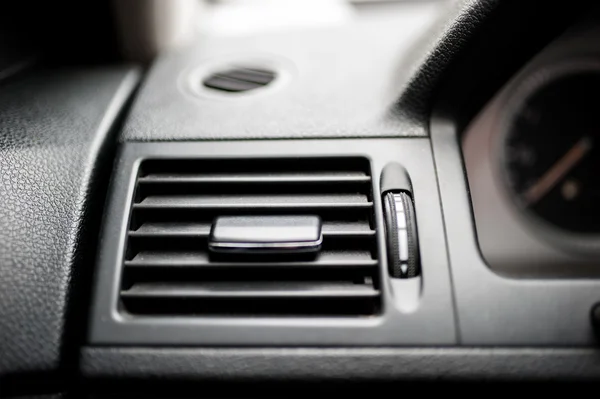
x,y
254,179
206,233
158,205
201,263
202,257
218,201
199,231
250,291
248,275
252,307
169,270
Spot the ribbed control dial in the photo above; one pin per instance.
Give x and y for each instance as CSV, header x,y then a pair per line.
x,y
403,247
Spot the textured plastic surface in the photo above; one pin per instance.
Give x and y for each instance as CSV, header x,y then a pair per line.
x,y
486,45
341,81
54,126
342,364
374,77
391,327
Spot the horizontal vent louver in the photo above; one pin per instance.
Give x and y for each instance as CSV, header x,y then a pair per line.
x,y
168,269
237,80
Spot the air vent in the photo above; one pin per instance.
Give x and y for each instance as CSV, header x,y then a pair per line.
x,y
237,80
169,270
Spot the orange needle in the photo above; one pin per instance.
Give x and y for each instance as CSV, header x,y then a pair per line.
x,y
558,171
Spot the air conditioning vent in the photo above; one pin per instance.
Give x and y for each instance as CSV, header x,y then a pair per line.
x,y
236,80
169,270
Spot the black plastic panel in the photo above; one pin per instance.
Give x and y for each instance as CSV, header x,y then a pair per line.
x,y
55,135
342,364
431,323
493,309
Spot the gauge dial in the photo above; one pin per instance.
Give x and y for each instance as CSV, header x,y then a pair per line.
x,y
552,153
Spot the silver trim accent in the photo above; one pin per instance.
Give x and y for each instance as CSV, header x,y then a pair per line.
x,y
269,247
403,245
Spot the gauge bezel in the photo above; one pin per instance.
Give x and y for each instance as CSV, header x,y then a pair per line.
x,y
573,242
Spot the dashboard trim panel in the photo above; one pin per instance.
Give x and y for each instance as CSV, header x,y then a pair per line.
x,y
512,242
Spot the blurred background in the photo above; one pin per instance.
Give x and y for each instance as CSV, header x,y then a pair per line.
x,y
149,26
81,32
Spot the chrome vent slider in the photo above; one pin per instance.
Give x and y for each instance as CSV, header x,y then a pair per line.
x,y
266,234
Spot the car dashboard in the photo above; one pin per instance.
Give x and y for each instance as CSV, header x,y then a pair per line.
x,y
404,198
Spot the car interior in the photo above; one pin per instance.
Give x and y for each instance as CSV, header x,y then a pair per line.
x,y
283,198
